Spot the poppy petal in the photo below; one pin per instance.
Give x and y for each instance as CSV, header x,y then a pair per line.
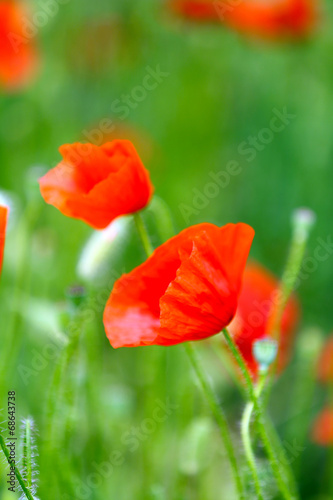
x,y
202,299
256,303
3,225
151,304
96,184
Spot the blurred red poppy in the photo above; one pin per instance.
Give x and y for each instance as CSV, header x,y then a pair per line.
x,y
256,303
187,290
18,54
322,430
272,19
96,184
3,225
325,363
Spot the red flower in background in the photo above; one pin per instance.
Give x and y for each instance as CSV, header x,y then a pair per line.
x,y
18,55
325,363
187,290
251,322
272,19
96,184
322,430
198,10
3,225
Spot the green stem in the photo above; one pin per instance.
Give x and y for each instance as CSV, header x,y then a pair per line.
x,y
229,366
288,280
249,453
256,406
27,452
141,228
17,472
218,414
241,363
280,452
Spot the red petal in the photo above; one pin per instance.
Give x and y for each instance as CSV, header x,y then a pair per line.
x,y
18,54
322,431
325,363
203,297
3,225
255,306
97,184
132,314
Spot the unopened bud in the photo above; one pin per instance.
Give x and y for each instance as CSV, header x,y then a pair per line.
x,y
75,295
265,351
101,247
303,219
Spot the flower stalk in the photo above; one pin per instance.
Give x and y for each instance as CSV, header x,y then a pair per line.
x,y
143,233
218,414
254,405
18,475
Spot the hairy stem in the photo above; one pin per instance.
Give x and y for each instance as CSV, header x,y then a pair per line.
x,y
27,466
218,414
18,475
254,405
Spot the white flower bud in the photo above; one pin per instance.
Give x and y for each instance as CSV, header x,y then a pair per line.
x,y
303,219
265,351
101,247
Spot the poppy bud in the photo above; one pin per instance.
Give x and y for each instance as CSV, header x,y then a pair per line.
x,y
265,351
101,247
75,295
303,219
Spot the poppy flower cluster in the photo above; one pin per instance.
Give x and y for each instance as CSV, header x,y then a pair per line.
x,y
3,226
322,431
257,302
188,288
278,19
18,54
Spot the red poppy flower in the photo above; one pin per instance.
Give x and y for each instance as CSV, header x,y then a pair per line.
x,y
325,363
3,225
198,10
272,19
277,19
18,55
187,290
322,430
96,184
256,303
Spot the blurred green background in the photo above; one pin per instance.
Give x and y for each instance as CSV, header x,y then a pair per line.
x,y
221,89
